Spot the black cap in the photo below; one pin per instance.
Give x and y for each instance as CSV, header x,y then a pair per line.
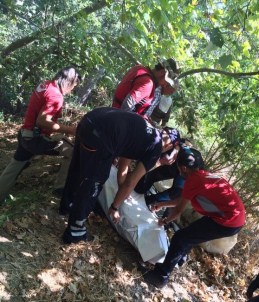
x,y
190,158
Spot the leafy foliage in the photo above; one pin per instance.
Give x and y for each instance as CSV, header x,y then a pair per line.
x,y
40,37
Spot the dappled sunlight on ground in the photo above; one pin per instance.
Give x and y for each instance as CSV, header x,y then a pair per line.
x,y
36,266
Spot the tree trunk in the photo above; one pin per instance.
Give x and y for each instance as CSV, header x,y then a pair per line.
x,y
88,85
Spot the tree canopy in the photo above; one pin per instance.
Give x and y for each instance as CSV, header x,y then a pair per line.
x,y
214,42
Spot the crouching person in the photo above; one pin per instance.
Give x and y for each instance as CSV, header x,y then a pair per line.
x,y
102,135
40,122
211,196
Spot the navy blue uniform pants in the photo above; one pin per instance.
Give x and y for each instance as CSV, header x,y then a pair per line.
x,y
201,230
89,169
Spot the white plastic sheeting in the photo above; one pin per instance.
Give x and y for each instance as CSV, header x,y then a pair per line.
x,y
137,224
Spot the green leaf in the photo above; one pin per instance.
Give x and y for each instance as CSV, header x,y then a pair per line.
x,y
246,49
146,17
216,37
157,15
95,40
143,42
225,60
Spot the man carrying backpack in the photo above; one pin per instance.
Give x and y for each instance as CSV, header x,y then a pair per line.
x,y
141,88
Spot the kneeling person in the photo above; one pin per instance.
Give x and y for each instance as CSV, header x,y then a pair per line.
x,y
211,196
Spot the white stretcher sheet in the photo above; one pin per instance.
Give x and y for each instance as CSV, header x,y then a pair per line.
x,y
137,224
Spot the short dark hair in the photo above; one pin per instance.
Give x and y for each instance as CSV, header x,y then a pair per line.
x,y
67,77
169,62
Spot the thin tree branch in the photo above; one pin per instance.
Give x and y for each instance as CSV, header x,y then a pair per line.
x,y
38,34
226,73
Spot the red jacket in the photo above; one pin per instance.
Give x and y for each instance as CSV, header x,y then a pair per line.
x,y
140,84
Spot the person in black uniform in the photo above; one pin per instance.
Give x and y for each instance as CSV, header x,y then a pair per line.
x,y
102,135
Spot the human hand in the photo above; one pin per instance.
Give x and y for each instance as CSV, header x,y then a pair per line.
x,y
169,159
155,207
162,221
114,214
165,160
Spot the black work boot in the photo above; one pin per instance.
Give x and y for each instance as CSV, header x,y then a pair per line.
x,y
75,234
252,287
155,279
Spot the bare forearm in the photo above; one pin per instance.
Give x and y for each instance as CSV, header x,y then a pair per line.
x,y
178,210
125,189
129,184
173,215
165,204
122,194
63,129
174,212
123,168
56,127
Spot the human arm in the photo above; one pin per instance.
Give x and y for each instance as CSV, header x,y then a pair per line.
x,y
141,89
51,105
169,159
44,120
123,168
165,204
125,189
179,206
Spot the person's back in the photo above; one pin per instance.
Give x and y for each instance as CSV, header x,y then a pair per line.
x,y
48,97
138,84
102,135
213,196
124,134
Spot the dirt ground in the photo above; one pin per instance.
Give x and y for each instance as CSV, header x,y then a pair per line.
x,y
36,266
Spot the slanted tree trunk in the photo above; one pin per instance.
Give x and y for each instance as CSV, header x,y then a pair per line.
x,y
88,85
